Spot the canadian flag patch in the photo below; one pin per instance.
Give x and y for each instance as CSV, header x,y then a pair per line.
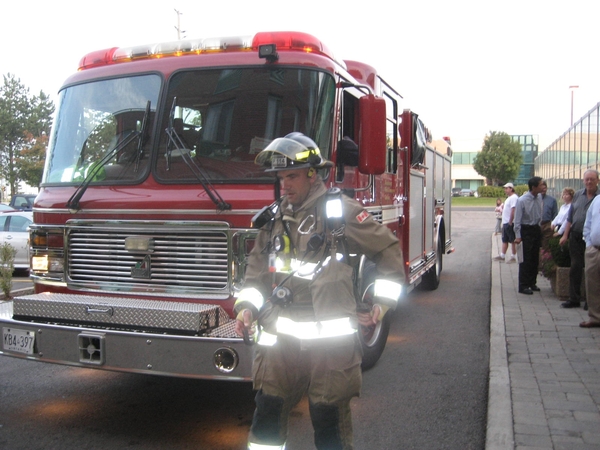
x,y
363,216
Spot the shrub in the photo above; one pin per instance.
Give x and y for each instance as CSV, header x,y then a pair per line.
x,y
7,267
553,256
498,191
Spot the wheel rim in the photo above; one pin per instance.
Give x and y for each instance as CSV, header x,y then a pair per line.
x,y
369,335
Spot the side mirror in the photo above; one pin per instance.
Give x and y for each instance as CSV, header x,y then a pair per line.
x,y
372,135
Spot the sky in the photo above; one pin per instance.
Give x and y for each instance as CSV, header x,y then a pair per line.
x,y
467,67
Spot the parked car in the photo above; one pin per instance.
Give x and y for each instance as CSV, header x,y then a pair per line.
x,y
456,192
14,229
467,193
6,208
24,202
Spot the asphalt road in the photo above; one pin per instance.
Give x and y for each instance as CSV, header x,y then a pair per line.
x,y
21,280
429,390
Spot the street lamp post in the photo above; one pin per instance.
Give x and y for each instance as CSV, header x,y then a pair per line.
x,y
572,91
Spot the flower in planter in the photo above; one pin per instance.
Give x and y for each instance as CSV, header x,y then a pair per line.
x,y
547,263
553,256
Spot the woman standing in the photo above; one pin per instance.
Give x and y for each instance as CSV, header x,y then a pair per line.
x,y
498,210
558,224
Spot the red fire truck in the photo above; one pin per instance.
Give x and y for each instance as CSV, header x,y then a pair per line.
x,y
142,227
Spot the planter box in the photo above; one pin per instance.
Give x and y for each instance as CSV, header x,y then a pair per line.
x,y
560,283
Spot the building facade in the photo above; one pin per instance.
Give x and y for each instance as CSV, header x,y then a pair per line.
x,y
465,176
529,151
563,163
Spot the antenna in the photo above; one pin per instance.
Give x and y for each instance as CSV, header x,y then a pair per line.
x,y
178,27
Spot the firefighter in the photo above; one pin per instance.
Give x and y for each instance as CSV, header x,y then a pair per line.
x,y
299,289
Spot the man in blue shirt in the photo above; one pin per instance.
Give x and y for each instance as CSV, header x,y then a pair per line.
x,y
548,214
591,234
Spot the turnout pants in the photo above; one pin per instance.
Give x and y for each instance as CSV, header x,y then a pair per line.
x,y
329,372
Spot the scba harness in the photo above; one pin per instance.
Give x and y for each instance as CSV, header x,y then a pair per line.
x,y
321,256
283,257
314,274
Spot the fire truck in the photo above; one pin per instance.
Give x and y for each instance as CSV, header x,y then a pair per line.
x,y
143,224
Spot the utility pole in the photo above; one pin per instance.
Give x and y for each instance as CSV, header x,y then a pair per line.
x,y
572,91
178,27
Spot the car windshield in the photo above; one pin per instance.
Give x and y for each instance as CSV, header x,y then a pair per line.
x,y
211,125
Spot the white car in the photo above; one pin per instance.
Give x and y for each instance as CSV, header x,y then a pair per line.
x,y
14,229
6,208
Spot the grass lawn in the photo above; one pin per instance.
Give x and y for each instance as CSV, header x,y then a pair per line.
x,y
487,202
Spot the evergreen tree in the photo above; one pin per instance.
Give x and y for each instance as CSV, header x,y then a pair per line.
x,y
31,159
25,123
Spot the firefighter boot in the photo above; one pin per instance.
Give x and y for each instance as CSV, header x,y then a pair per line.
x,y
266,423
326,423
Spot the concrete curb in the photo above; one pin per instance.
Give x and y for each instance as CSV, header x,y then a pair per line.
x,y
500,434
17,292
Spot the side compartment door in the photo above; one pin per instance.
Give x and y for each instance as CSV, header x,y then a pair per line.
x,y
430,196
415,214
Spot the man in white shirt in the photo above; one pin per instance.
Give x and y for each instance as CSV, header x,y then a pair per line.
x,y
508,232
591,235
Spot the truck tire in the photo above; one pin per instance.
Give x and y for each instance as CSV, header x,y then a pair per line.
x,y
372,338
431,279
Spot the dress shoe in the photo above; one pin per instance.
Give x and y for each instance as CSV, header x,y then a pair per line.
x,y
589,324
526,291
570,304
535,288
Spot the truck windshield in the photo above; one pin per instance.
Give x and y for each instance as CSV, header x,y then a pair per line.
x,y
95,119
225,117
211,125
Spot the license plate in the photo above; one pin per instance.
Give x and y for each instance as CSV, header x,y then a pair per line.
x,y
21,341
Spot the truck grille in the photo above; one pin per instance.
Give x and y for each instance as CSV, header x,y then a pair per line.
x,y
182,259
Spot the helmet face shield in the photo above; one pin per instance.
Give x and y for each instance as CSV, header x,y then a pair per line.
x,y
295,151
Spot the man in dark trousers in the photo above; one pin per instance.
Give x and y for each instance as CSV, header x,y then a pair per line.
x,y
548,214
574,233
528,217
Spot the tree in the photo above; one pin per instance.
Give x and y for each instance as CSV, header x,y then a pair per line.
x,y
499,159
25,123
31,160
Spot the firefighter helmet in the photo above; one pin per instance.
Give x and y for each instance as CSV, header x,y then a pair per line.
x,y
294,151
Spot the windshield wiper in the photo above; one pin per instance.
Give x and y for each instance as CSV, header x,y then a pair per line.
x,y
140,149
73,202
184,152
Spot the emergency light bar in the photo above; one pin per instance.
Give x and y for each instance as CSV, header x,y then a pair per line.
x,y
283,41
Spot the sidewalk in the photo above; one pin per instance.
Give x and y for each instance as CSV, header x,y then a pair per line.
x,y
544,389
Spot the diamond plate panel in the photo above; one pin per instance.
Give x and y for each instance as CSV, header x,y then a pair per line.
x,y
155,314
